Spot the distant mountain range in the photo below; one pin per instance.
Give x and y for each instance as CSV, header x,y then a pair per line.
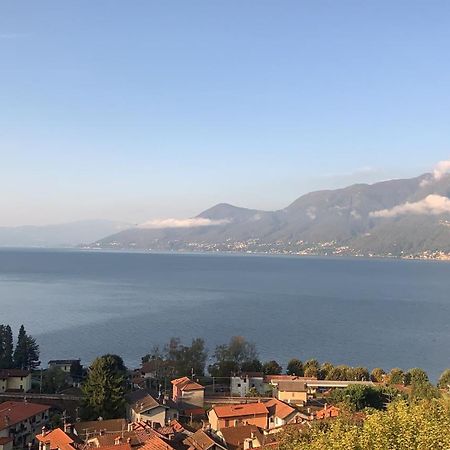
x,y
61,235
409,217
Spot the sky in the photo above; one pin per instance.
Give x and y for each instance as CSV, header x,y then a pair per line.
x,y
136,110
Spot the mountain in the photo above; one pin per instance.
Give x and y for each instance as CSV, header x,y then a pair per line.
x,y
389,218
61,235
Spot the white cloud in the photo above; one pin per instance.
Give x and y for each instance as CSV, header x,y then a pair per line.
x,y
431,205
441,169
182,223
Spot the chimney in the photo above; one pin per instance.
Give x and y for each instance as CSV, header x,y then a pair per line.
x,y
44,430
117,440
325,407
130,427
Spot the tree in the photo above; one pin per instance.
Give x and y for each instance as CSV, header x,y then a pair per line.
x,y
358,374
271,368
6,347
377,375
295,367
396,376
53,380
358,397
444,380
26,353
237,356
311,368
325,369
104,389
416,376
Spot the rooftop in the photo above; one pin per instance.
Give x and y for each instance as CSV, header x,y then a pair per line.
x,y
9,373
12,413
279,409
248,409
186,384
94,427
292,386
201,440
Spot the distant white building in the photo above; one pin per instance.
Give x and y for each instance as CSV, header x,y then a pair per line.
x,y
241,384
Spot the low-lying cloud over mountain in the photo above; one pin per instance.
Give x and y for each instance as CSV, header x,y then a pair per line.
x,y
393,217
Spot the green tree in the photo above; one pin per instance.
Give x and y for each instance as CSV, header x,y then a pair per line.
x,y
358,374
237,356
271,368
6,347
311,368
358,397
416,376
26,353
444,380
104,390
377,375
325,369
53,380
186,360
396,376
295,367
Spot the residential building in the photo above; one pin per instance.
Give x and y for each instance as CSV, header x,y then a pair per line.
x,y
58,439
296,392
6,443
202,440
241,384
144,407
244,437
15,380
235,415
187,393
22,421
89,429
281,413
64,364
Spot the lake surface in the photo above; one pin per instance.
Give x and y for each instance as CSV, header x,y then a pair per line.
x,y
387,313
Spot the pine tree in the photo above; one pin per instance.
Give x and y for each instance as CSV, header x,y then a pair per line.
x,y
26,353
104,389
7,348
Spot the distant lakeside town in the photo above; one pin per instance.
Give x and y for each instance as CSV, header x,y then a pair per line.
x,y
255,246
176,401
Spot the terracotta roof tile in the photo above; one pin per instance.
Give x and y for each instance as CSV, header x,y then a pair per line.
x,y
186,384
12,413
247,409
279,409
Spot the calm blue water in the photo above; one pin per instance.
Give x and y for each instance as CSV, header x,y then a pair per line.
x,y
386,313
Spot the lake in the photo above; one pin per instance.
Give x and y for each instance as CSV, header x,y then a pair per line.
x,y
370,312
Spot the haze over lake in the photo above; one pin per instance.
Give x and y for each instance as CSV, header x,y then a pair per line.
x,y
387,313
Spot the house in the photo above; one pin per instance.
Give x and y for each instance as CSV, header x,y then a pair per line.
x,y
273,379
64,364
58,439
243,437
6,443
144,407
281,413
235,415
187,393
155,442
202,440
89,429
327,412
15,380
241,384
296,392
22,421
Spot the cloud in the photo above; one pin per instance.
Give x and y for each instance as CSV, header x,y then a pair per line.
x,y
311,212
441,169
182,223
431,205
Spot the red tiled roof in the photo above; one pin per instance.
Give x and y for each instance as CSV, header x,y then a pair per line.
x,y
94,427
155,443
330,411
57,439
117,447
186,384
248,409
278,408
12,413
201,440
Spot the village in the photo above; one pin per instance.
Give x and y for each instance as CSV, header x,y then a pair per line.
x,y
106,406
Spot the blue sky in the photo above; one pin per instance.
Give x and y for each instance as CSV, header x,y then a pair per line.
x,y
134,110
